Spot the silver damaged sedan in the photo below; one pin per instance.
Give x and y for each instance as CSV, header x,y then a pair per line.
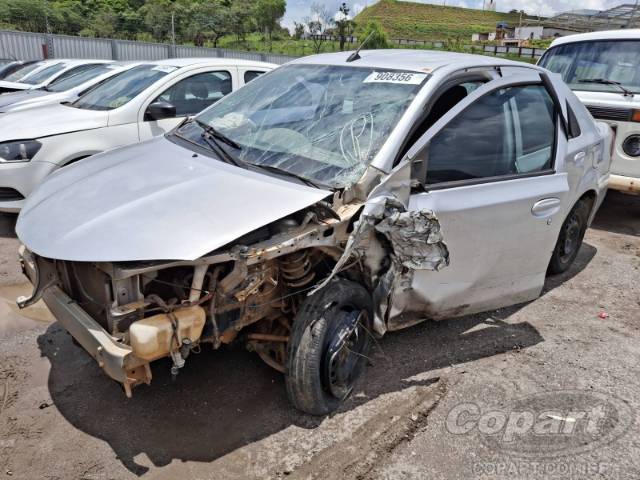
x,y
326,203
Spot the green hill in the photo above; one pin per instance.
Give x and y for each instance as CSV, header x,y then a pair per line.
x,y
421,21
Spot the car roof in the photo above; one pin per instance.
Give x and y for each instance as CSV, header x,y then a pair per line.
x,y
415,60
186,62
72,62
622,34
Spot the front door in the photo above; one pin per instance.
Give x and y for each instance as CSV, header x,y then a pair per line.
x,y
190,96
491,181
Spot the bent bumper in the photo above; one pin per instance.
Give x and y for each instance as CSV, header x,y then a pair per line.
x,y
624,184
115,358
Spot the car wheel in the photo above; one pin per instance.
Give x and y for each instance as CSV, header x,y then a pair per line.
x,y
570,238
328,347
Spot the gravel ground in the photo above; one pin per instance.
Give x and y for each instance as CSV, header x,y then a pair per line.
x,y
505,394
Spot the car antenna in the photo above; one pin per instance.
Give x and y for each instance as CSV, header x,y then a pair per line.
x,y
356,55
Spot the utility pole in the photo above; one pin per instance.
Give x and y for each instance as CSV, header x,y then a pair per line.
x,y
633,13
173,29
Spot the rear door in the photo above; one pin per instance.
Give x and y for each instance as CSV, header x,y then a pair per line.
x,y
491,180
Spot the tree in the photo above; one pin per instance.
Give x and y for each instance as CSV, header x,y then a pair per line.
x,y
203,20
378,38
317,25
298,30
241,18
268,14
157,18
344,24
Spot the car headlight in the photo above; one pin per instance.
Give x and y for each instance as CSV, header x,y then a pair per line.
x,y
18,151
631,146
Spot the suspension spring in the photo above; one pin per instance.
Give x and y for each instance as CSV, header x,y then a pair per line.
x,y
296,269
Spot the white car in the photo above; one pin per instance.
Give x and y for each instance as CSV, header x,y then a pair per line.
x,y
603,69
63,89
51,71
336,197
136,105
22,71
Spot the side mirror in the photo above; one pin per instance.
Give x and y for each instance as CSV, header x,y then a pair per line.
x,y
160,110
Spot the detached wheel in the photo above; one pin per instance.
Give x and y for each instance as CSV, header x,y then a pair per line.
x,y
570,239
328,347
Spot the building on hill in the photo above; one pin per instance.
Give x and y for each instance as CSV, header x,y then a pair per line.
x,y
567,23
489,5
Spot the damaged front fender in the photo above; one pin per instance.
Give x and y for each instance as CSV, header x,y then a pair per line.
x,y
409,241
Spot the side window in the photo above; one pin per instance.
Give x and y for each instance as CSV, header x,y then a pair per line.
x,y
535,117
195,93
574,125
74,71
506,132
251,75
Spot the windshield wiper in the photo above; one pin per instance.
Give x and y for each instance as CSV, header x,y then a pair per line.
x,y
604,81
218,135
213,140
277,170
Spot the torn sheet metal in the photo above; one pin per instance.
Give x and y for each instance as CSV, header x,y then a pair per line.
x,y
416,239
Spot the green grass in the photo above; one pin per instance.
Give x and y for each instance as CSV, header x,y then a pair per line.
x,y
420,21
255,43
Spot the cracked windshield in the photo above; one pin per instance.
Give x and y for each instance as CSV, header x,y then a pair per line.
x,y
322,123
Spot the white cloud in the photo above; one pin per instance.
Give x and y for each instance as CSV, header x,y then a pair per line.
x,y
357,8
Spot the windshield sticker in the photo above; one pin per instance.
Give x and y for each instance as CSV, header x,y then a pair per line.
x,y
407,78
165,69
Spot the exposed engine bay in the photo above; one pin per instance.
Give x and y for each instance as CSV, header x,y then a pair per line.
x,y
248,292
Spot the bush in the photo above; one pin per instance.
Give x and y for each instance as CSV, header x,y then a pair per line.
x,y
378,37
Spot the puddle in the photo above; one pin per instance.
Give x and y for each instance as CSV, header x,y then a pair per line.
x,y
12,319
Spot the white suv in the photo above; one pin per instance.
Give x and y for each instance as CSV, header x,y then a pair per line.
x,y
136,105
602,69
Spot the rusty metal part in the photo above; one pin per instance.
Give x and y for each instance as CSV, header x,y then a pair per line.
x,y
297,269
270,361
213,282
135,377
234,278
266,337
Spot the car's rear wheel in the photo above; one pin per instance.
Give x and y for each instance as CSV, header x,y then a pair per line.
x,y
328,348
570,238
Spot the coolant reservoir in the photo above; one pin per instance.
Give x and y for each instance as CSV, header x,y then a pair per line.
x,y
151,338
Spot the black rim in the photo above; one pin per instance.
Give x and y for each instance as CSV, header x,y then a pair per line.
x,y
571,237
344,352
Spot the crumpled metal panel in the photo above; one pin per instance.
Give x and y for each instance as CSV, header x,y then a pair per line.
x,y
416,239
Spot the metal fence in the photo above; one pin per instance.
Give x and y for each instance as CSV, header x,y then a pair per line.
x,y
525,52
37,46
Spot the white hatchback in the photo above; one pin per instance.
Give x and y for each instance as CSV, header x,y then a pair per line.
x,y
136,105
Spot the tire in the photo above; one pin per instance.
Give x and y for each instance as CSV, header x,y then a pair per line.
x,y
328,348
570,238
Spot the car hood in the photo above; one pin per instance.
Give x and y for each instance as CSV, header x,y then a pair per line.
x,y
15,85
152,201
40,100
46,120
606,99
13,98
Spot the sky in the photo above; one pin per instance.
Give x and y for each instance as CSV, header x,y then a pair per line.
x,y
298,9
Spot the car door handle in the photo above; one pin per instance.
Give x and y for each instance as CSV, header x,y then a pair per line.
x,y
579,157
546,207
